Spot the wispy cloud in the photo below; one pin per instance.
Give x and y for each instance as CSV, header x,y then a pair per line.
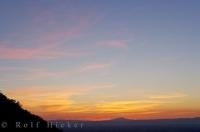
x,y
95,67
59,102
10,53
47,44
168,96
7,52
36,73
52,98
113,43
127,106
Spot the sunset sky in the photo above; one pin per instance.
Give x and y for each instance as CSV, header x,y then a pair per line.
x,y
102,59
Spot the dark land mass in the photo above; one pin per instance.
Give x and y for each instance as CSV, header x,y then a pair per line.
x,y
14,118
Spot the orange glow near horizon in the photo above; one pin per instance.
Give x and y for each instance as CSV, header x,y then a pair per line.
x,y
55,104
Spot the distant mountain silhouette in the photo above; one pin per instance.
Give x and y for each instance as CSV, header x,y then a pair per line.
x,y
13,116
127,125
120,119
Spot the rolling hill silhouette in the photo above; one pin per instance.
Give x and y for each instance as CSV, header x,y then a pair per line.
x,y
128,125
13,116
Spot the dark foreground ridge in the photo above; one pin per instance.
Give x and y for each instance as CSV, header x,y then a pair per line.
x,y
14,117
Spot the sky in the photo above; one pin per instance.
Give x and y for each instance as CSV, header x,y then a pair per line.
x,y
101,59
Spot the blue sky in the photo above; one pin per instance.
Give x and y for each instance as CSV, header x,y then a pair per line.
x,y
112,51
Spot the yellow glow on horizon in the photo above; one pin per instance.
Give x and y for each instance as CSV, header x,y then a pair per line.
x,y
52,103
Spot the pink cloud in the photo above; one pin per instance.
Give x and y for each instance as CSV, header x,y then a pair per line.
x,y
10,53
95,67
48,45
63,32
7,52
53,39
113,43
